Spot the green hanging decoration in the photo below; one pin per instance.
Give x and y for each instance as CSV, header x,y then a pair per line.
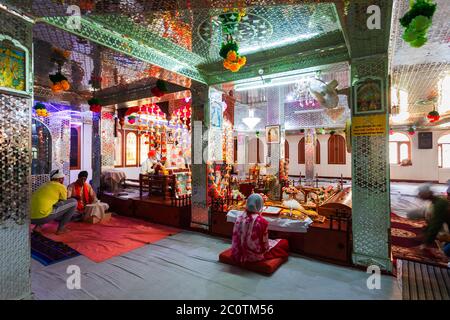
x,y
417,21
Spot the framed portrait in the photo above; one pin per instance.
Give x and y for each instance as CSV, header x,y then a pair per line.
x,y
369,96
170,134
13,66
273,134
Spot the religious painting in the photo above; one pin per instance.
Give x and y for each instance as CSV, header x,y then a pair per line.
x,y
369,96
12,67
216,114
170,136
273,134
183,184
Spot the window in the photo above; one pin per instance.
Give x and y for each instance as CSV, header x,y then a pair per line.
x,y
75,148
255,151
336,149
286,149
444,151
301,151
399,148
317,151
444,104
131,149
235,149
118,147
143,148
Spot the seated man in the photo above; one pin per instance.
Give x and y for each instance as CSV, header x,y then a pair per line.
x,y
149,165
81,191
50,202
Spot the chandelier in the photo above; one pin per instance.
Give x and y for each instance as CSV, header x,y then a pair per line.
x,y
251,121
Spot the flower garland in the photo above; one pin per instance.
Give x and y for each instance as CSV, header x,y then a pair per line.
x,y
230,53
41,110
59,81
433,116
417,21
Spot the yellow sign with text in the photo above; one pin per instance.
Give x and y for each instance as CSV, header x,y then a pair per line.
x,y
374,125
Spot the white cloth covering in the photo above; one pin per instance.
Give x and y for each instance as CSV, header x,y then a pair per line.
x,y
277,224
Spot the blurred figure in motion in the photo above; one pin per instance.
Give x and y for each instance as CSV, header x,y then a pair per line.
x,y
438,217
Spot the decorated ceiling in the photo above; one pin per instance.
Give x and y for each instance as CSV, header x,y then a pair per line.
x,y
419,72
129,44
186,38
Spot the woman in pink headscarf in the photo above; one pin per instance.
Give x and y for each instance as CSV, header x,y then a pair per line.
x,y
251,241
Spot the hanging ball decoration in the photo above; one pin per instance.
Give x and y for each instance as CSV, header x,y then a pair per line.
x,y
433,116
95,105
411,131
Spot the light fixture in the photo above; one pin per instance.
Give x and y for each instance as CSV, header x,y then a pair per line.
x,y
286,41
251,121
272,82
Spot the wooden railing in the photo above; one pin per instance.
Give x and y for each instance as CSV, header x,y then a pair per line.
x,y
221,205
182,201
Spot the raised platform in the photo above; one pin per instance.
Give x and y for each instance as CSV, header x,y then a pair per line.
x,y
156,209
330,241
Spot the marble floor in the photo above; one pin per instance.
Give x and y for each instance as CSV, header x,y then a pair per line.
x,y
185,266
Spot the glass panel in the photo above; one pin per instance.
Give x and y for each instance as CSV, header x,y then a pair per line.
x,y
446,155
404,152
393,153
397,136
131,155
118,150
144,148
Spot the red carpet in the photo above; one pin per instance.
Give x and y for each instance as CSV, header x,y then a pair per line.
x,y
100,242
406,238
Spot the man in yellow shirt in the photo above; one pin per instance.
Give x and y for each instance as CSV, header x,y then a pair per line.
x,y
50,202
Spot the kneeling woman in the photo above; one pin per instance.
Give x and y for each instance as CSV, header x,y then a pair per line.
x,y
251,241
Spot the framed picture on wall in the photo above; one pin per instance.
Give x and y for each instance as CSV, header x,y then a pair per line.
x,y
369,96
216,114
273,134
13,66
425,140
170,136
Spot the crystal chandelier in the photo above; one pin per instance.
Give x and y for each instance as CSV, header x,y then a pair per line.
x,y
251,121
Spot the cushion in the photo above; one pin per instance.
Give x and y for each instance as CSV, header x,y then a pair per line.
x,y
265,267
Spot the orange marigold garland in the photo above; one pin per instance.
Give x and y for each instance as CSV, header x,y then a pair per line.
x,y
230,53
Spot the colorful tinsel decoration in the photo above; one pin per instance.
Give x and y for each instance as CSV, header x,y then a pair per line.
x,y
41,110
417,21
230,53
